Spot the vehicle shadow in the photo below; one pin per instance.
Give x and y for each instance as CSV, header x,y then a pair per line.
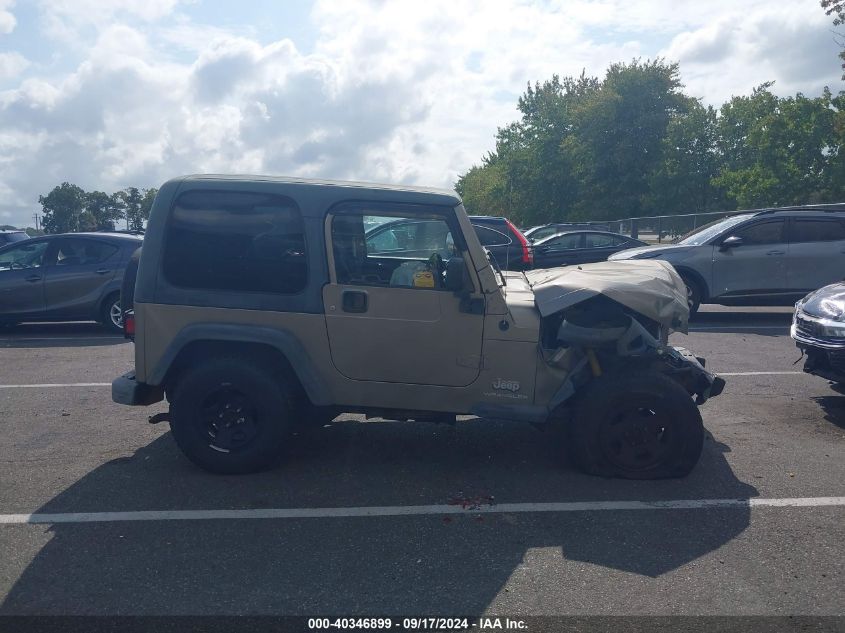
x,y
775,316
430,564
833,408
42,335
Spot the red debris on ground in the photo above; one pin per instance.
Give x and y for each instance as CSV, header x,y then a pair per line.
x,y
475,502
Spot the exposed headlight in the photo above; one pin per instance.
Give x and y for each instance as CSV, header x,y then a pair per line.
x,y
834,331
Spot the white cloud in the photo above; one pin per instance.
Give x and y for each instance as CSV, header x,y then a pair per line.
x,y
395,91
7,18
12,65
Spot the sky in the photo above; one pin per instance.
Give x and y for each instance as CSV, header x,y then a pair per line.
x,y
108,94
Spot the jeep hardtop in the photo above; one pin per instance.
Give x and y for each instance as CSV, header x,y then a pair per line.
x,y
261,305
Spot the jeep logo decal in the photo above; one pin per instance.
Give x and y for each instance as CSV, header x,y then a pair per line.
x,y
509,385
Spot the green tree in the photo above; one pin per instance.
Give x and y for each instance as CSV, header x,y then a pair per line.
x,y
62,208
132,199
147,202
619,134
104,210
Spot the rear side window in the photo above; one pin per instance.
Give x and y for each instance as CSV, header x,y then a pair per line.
x,y
565,242
243,242
491,237
602,240
81,252
817,230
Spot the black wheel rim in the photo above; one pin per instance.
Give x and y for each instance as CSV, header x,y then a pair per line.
x,y
638,435
229,420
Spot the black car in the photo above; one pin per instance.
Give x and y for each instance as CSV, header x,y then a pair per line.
x,y
69,277
506,243
580,247
818,328
8,237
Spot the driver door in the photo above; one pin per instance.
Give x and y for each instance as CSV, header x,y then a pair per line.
x,y
388,314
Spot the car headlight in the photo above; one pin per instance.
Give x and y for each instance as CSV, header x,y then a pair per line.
x,y
834,331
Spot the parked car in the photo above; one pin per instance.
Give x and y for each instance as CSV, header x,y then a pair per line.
x,y
506,243
259,308
579,247
768,257
8,237
543,231
818,328
69,277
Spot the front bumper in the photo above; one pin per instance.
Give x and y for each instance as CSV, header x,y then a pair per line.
x,y
825,354
688,370
127,390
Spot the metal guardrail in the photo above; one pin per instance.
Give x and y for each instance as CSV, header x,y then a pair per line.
x,y
659,228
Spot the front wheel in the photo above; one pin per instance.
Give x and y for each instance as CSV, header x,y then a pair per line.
x,y
639,426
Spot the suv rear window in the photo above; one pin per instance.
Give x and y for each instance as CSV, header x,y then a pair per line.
x,y
245,242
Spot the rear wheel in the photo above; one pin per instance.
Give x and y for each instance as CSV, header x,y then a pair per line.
x,y
641,426
112,316
231,416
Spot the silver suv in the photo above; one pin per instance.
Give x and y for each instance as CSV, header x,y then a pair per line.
x,y
770,257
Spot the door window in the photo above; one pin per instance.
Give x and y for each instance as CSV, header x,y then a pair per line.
x,y
79,252
398,251
817,230
762,233
29,255
565,242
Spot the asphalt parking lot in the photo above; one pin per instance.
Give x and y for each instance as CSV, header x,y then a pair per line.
x,y
414,518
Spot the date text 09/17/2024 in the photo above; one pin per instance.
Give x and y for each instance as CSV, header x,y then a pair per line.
x,y
419,624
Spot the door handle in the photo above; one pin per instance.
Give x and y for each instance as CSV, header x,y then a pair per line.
x,y
33,278
102,271
776,253
354,301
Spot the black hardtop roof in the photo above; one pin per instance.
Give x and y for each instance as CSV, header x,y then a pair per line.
x,y
421,194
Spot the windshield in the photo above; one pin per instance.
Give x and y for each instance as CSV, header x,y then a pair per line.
x,y
709,231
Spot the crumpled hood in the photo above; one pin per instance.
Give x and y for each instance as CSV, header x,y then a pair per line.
x,y
651,287
827,303
654,250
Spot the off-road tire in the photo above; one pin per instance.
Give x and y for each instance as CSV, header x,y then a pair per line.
x,y
265,421
108,315
638,426
694,293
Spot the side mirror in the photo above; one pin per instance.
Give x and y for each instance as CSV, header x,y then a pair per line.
x,y
730,242
456,275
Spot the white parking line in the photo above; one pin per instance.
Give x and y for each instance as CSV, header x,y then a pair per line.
x,y
58,384
761,373
60,338
705,328
394,511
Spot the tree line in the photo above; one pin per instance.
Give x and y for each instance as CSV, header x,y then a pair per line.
x,y
69,209
634,143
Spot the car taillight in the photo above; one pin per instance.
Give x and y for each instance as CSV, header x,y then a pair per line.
x,y
527,256
129,324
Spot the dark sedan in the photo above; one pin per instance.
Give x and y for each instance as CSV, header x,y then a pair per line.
x,y
580,247
70,277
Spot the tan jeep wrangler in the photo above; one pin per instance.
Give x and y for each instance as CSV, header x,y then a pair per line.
x,y
265,303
